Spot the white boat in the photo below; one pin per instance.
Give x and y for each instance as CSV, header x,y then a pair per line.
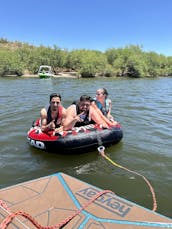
x,y
45,71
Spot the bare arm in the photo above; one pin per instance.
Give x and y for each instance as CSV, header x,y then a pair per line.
x,y
44,126
71,118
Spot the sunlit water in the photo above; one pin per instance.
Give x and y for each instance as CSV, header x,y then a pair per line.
x,y
142,106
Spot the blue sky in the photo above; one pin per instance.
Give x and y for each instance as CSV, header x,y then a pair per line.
x,y
89,24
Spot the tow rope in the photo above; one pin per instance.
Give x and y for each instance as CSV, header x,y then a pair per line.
x,y
12,215
101,150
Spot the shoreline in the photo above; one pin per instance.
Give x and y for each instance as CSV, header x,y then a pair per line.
x,y
59,75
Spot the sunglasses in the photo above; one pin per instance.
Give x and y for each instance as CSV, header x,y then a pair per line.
x,y
54,102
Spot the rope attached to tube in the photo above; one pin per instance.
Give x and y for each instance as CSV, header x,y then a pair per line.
x,y
101,150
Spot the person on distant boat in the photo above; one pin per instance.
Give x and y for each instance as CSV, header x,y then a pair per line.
x,y
103,102
53,117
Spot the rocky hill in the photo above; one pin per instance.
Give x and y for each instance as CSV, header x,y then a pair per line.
x,y
12,45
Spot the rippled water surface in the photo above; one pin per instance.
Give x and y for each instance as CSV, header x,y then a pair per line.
x,y
142,106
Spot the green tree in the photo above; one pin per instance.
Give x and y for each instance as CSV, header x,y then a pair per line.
x,y
10,63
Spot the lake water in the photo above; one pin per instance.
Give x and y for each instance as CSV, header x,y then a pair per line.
x,y
142,106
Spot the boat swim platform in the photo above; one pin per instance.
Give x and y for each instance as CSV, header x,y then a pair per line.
x,y
53,199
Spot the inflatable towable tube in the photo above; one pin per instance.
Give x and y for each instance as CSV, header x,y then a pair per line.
x,y
79,139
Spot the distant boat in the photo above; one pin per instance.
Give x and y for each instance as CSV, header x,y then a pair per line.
x,y
45,71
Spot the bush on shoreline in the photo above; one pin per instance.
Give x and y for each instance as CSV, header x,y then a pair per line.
x,y
16,58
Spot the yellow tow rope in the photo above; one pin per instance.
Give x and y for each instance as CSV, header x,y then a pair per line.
x,y
101,150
